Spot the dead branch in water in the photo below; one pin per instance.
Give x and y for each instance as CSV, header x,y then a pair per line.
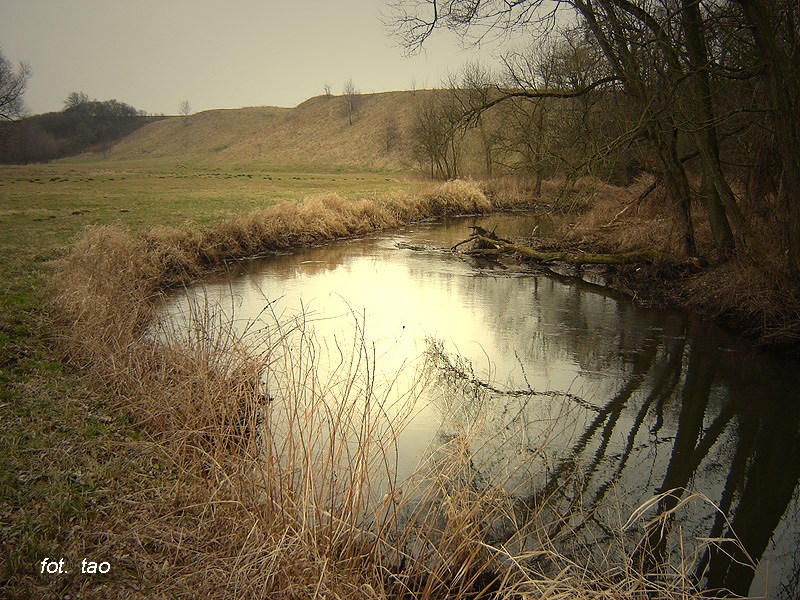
x,y
487,244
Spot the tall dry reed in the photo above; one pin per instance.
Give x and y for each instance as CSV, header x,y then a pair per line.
x,y
281,476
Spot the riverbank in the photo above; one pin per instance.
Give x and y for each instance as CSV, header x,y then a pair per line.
x,y
79,476
751,294
146,456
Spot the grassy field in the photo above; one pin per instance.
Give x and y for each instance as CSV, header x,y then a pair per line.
x,y
142,194
66,457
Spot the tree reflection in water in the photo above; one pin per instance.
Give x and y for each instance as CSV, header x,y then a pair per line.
x,y
687,416
588,408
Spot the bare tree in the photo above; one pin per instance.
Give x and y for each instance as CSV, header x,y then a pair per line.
x,y
185,109
643,46
437,132
674,60
775,27
12,88
391,133
76,101
428,136
554,115
352,99
471,89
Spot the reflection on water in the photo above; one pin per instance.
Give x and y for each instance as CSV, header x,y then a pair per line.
x,y
582,395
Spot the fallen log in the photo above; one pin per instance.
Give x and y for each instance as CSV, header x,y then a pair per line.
x,y
494,247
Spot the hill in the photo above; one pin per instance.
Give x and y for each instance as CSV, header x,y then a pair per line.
x,y
319,132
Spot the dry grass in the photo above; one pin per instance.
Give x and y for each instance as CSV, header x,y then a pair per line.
x,y
278,480
315,133
613,217
755,296
753,293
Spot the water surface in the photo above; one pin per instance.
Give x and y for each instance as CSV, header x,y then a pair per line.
x,y
582,396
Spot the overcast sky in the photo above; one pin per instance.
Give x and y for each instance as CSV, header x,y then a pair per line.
x,y
153,54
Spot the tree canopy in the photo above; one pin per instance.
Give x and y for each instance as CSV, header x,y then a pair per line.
x,y
83,125
709,86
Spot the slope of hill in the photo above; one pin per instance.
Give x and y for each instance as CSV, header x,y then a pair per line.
x,y
316,133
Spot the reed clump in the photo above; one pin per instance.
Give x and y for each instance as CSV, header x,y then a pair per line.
x,y
279,477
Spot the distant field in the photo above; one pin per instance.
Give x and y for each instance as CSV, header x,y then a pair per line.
x,y
44,206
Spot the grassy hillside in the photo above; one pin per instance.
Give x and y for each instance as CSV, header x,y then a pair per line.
x,y
317,133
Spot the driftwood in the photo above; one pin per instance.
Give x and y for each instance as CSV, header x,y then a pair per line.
x,y
490,245
478,233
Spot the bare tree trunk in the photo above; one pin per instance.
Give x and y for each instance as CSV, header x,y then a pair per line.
x,y
720,228
540,146
665,141
774,25
678,188
720,203
487,147
492,246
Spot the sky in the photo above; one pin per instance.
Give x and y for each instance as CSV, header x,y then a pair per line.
x,y
154,54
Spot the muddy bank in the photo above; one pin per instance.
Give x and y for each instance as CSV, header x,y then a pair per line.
x,y
757,300
740,295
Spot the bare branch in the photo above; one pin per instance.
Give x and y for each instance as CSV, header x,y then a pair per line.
x,y
12,88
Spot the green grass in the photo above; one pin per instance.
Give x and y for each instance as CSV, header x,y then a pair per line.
x,y
63,459
52,202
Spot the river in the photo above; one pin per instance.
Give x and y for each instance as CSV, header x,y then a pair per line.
x,y
582,397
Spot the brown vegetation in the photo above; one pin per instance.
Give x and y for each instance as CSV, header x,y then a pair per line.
x,y
314,134
287,491
752,293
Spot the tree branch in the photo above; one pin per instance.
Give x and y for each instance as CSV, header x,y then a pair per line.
x,y
494,247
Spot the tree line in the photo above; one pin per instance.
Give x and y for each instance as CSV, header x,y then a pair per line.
x,y
680,88
83,125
